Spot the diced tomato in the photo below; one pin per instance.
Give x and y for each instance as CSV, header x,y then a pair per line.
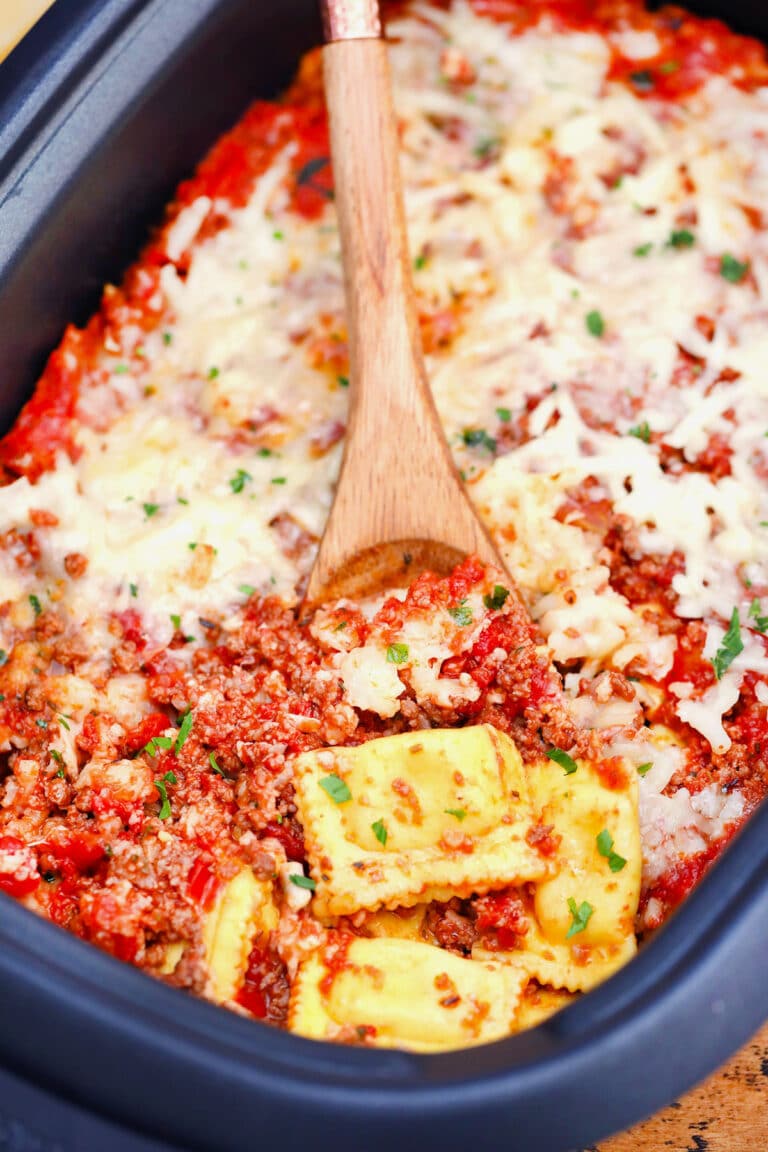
x,y
291,836
266,988
503,913
80,850
133,628
203,884
18,867
145,731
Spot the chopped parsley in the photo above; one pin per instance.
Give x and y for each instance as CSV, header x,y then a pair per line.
x,y
36,605
641,431
176,621
605,848
215,765
420,261
642,250
184,730
642,769
63,721
336,788
342,381
504,415
681,238
595,323
279,479
497,599
162,787
397,653
158,743
239,480
57,757
150,510
192,545
669,66
134,590
303,881
566,762
580,916
278,235
478,438
265,452
461,613
167,338
60,774
121,369
247,590
181,500
380,832
730,647
342,625
732,269
458,813
761,622
213,373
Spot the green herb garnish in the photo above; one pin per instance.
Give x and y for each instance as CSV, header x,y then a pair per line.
x,y
380,832
461,613
641,431
184,730
730,647
732,269
580,916
681,238
497,599
397,653
239,480
303,881
336,788
478,438
150,510
566,762
459,813
605,848
162,787
595,323
760,622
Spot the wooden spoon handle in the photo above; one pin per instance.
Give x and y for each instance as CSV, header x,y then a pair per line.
x,y
398,484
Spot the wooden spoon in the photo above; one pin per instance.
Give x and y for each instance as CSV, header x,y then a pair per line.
x,y
400,506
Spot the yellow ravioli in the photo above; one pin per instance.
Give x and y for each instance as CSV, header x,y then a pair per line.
x,y
416,817
582,806
403,994
243,910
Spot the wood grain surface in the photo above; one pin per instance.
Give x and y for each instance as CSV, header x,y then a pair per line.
x,y
729,1112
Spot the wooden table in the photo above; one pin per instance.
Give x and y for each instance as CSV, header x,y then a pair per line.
x,y
729,1113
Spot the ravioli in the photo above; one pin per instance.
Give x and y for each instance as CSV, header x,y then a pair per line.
x,y
244,909
581,919
402,994
415,817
